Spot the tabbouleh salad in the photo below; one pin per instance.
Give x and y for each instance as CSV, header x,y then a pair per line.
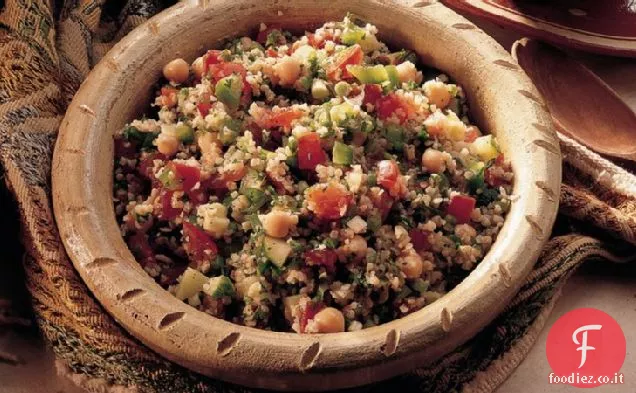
x,y
315,184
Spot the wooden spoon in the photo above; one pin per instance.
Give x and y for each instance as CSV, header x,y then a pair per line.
x,y
583,107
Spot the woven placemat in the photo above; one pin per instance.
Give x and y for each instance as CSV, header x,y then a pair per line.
x,y
48,47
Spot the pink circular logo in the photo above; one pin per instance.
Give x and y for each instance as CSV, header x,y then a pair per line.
x,y
586,348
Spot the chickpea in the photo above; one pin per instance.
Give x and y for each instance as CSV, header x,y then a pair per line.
x,y
167,144
412,266
197,67
278,223
243,286
436,123
356,246
287,70
437,93
433,160
329,320
406,72
176,71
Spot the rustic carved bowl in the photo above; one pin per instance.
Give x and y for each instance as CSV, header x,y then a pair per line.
x,y
503,101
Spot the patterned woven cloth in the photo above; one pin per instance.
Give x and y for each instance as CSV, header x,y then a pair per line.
x,y
47,48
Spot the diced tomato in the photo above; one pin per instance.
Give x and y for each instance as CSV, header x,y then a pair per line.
x,y
388,174
326,258
308,313
167,211
235,175
471,134
199,246
199,196
221,181
492,179
220,70
140,247
337,70
214,185
226,69
391,105
500,159
383,202
204,108
316,42
271,53
188,175
145,166
310,153
168,96
125,148
210,58
278,183
329,203
281,118
261,38
461,207
419,238
372,93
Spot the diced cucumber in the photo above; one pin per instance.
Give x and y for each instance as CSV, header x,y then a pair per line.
x,y
342,89
369,43
395,136
256,197
292,143
476,182
319,89
369,74
168,179
392,73
484,147
191,283
219,287
455,129
340,113
321,116
420,285
352,35
367,125
342,154
252,180
227,136
228,90
276,250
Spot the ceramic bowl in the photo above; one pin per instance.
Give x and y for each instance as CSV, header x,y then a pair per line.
x,y
503,101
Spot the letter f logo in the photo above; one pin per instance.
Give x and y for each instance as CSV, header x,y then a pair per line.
x,y
584,347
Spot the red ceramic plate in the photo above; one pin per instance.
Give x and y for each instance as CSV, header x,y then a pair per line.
x,y
602,26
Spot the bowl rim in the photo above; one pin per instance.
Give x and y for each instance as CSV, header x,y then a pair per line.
x,y
244,355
